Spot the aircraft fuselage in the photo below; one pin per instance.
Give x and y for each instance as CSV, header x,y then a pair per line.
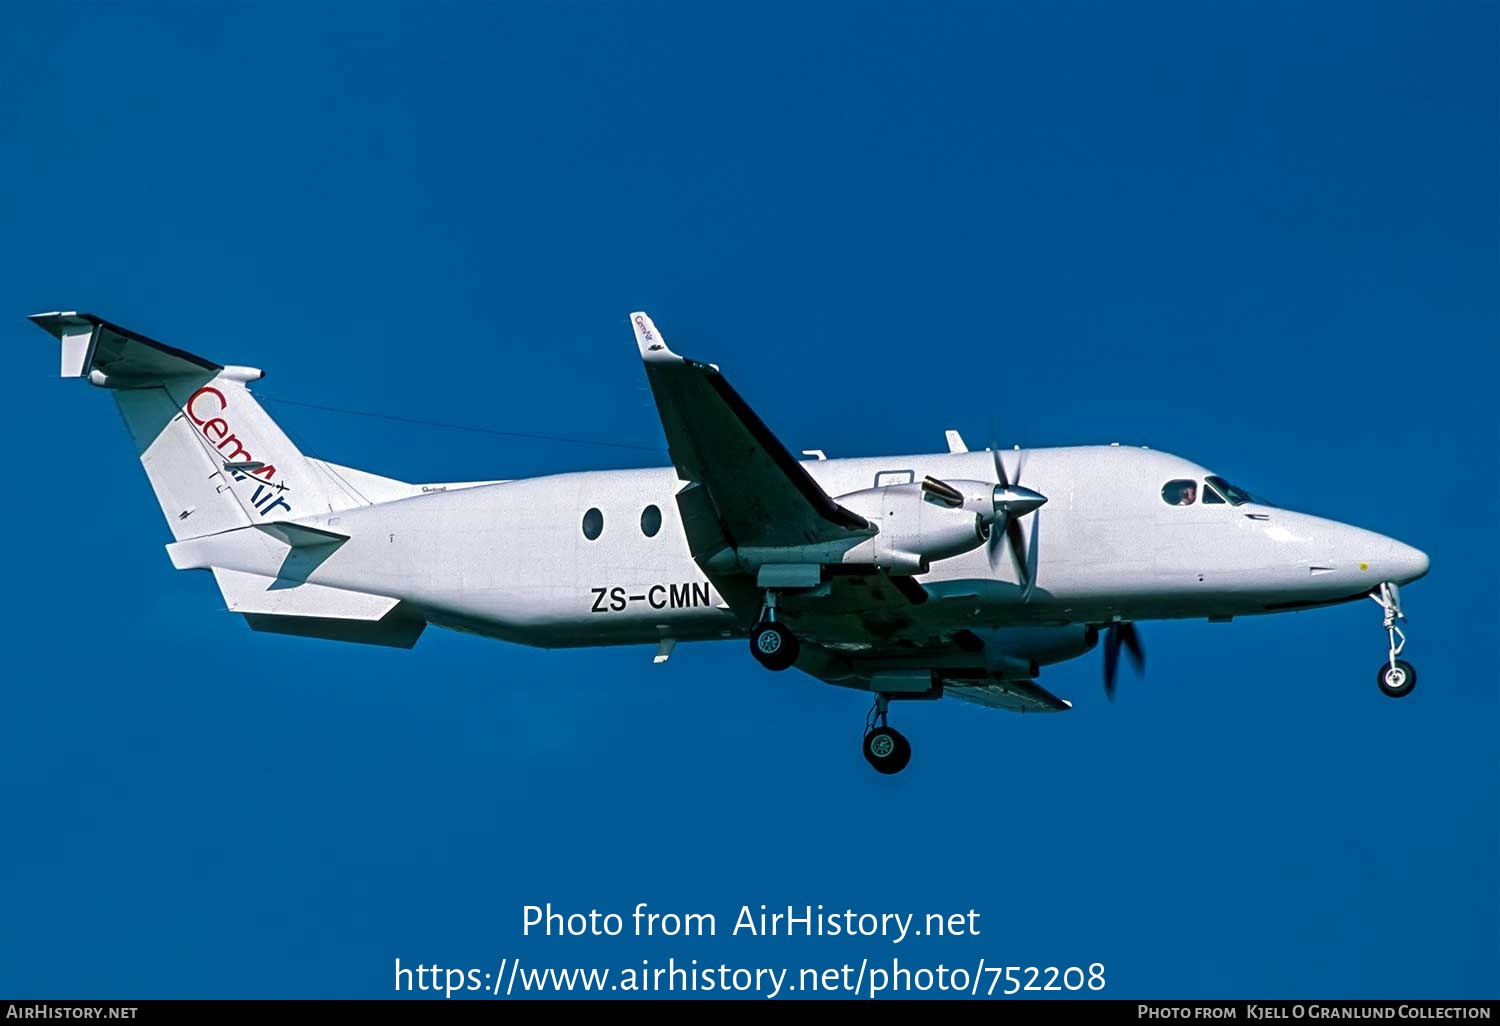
x,y
511,560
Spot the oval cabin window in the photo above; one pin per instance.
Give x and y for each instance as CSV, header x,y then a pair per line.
x,y
650,521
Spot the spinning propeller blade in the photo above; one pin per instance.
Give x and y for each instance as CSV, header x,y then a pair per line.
x,y
1115,635
1016,502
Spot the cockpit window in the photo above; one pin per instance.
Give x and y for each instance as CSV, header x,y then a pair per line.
x,y
1179,493
1211,496
1236,496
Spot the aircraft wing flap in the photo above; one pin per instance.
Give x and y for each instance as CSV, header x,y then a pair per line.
x,y
856,594
897,643
763,496
1012,695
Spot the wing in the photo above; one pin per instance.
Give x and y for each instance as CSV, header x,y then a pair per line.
x,y
915,664
1013,695
759,494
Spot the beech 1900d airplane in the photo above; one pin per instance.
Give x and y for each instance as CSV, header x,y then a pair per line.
x,y
956,573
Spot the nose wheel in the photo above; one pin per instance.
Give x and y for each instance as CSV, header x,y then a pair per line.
x,y
885,747
1396,677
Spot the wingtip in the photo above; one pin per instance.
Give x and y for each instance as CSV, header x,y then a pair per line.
x,y
652,346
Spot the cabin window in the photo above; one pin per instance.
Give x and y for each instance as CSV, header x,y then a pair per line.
x,y
593,524
650,521
1179,493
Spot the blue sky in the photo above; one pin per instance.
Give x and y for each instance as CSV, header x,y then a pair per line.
x,y
1262,238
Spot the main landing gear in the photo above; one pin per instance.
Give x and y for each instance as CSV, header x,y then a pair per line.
x,y
772,644
886,748
1396,677
775,647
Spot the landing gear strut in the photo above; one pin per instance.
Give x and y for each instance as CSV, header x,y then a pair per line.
x,y
771,643
886,748
1396,677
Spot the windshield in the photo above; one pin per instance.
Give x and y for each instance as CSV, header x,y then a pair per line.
x,y
1236,496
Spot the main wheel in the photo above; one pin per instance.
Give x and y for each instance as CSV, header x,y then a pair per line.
x,y
887,750
773,646
1396,681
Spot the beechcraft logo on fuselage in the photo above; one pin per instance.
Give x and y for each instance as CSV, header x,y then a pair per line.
x,y
657,596
209,409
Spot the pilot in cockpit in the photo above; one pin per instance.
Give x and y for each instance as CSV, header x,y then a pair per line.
x,y
1188,493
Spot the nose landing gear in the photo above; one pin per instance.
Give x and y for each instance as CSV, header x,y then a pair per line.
x,y
885,747
1396,677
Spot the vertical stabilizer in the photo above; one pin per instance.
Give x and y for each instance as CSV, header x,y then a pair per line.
x,y
215,458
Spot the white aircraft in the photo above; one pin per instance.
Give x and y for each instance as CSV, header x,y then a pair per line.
x,y
910,577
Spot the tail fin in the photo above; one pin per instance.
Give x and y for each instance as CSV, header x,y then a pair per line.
x,y
215,458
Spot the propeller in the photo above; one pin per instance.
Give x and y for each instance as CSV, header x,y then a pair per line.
x,y
1013,502
1116,635
1005,504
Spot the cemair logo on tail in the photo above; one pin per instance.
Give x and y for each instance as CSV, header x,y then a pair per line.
x,y
203,409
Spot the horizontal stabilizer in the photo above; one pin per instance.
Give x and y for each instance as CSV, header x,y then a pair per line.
x,y
122,357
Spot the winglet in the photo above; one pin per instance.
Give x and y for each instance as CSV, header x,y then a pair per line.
x,y
653,347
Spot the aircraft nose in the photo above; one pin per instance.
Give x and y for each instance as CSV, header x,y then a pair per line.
x,y
1378,557
1407,563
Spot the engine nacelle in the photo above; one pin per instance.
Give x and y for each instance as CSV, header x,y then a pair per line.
x,y
914,528
911,525
1017,652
